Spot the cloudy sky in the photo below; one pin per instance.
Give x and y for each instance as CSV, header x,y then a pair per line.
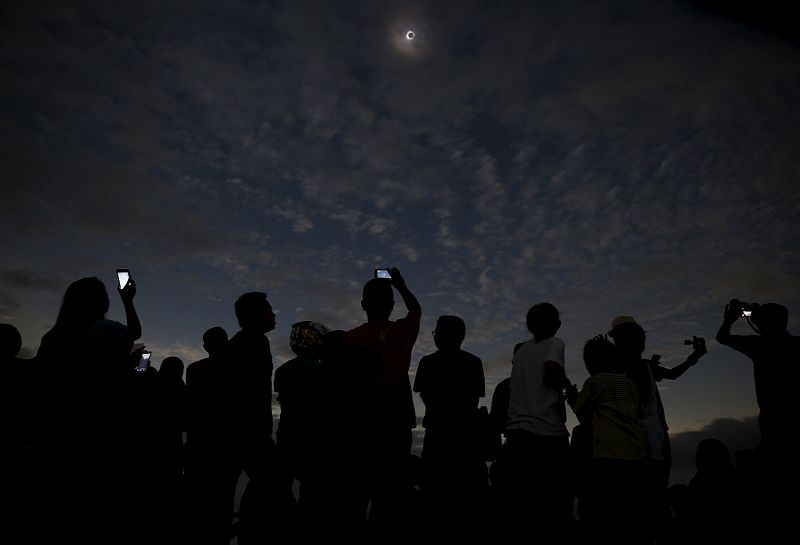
x,y
615,157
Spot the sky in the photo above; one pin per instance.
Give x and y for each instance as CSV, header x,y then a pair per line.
x,y
610,157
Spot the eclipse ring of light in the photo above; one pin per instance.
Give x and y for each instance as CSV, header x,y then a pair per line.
x,y
410,35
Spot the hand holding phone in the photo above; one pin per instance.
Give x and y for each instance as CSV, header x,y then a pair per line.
x,y
144,362
123,277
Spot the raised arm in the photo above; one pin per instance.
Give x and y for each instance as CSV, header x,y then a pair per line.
x,y
409,300
733,312
699,351
127,293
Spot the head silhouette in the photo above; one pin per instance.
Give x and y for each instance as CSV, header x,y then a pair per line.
x,y
306,339
543,321
215,340
171,369
10,342
377,299
712,456
450,332
85,302
254,313
770,319
598,355
629,337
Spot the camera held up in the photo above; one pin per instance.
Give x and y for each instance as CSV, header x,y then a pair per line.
x,y
745,309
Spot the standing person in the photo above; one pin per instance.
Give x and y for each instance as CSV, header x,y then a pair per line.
x,y
20,467
630,343
207,479
611,466
536,431
83,366
375,360
303,388
775,381
774,352
247,387
451,382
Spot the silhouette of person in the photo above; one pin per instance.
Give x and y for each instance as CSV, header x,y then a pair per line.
x,y
83,361
772,352
16,389
374,365
609,409
450,382
536,430
774,383
20,464
248,384
715,495
302,385
172,404
499,498
499,408
208,476
202,377
630,343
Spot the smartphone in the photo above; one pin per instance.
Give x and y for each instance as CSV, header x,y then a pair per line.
x,y
144,362
123,276
383,273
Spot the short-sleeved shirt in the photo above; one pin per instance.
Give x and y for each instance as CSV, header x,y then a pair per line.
x,y
610,404
376,359
450,384
534,406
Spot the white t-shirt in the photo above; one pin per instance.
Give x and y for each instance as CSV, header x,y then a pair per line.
x,y
533,406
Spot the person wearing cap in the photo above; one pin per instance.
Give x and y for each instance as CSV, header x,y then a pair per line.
x,y
302,385
629,342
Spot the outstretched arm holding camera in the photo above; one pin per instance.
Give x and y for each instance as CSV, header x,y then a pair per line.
x,y
699,346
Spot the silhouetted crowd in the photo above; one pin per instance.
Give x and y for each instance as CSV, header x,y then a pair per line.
x,y
99,447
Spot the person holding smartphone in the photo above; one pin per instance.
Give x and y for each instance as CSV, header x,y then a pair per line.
x,y
83,361
373,369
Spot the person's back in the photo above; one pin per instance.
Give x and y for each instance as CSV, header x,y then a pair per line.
x,y
536,404
374,364
450,381
538,440
204,399
83,363
716,498
610,406
208,458
454,476
20,465
303,389
609,410
302,386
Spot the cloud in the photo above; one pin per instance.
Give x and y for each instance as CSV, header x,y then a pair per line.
x,y
30,280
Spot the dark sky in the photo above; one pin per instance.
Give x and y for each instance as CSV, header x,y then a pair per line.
x,y
611,157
